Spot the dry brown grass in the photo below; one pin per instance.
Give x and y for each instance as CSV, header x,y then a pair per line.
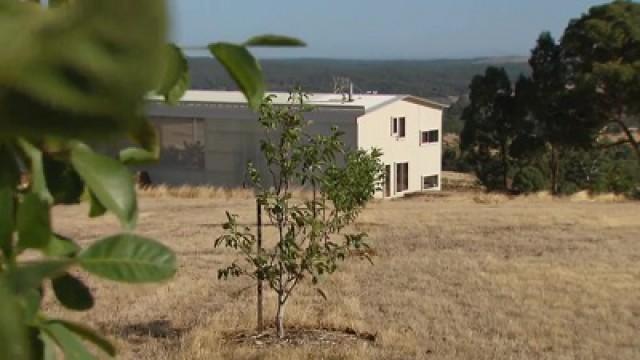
x,y
456,276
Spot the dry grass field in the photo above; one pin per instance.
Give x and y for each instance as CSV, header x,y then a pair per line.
x,y
455,276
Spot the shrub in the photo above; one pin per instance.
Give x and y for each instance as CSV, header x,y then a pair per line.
x,y
528,180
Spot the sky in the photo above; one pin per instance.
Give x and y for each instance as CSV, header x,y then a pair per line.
x,y
378,29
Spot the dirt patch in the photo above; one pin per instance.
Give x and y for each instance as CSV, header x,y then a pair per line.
x,y
140,332
300,337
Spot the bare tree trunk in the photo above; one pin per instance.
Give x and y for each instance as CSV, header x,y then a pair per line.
x,y
554,169
260,300
280,315
632,140
505,167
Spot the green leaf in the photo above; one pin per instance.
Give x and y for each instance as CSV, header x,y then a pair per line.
x,y
147,137
35,343
243,68
70,344
96,209
89,335
72,293
29,276
60,246
129,258
13,331
31,301
87,74
136,156
271,40
63,181
49,347
7,221
8,181
33,223
176,79
38,180
110,182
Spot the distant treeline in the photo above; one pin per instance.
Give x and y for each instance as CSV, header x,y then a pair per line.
x,y
442,80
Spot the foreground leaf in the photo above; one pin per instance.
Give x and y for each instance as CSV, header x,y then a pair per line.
x,y
70,344
176,79
13,332
72,293
29,276
33,223
110,182
63,182
80,70
129,258
8,180
88,334
271,40
60,246
38,180
243,68
96,209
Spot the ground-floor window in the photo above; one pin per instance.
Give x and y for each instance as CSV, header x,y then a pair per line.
x,y
430,182
402,177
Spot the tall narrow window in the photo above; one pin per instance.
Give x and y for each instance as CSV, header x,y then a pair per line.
x,y
402,177
398,127
402,127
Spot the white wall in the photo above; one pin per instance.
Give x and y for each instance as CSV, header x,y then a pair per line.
x,y
374,130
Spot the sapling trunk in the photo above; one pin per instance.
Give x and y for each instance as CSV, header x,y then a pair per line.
x,y
280,315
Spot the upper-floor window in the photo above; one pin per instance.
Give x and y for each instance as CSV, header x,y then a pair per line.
x,y
398,127
428,137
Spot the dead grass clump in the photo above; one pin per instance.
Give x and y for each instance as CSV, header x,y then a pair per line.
x,y
490,198
604,197
541,195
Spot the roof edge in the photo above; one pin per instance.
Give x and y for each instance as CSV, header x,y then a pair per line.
x,y
425,102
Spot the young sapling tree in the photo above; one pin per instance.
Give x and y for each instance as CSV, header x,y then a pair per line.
x,y
310,240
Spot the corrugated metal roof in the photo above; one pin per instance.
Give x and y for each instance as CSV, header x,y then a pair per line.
x,y
368,102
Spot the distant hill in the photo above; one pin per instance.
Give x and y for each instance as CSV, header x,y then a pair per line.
x,y
443,80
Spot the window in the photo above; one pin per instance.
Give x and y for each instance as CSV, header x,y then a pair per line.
x,y
402,177
398,127
429,137
430,182
182,142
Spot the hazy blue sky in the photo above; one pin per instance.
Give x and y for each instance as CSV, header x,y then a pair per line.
x,y
379,29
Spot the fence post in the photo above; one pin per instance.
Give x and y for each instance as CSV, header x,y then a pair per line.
x,y
259,251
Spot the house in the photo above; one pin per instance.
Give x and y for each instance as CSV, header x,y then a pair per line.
x,y
209,137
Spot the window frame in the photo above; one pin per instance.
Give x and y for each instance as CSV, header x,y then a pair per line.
x,y
429,138
399,127
404,186
425,177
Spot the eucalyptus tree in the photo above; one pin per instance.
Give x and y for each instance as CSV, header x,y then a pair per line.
x,y
72,75
602,51
562,115
309,241
493,121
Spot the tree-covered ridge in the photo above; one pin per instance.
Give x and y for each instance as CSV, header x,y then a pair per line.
x,y
439,79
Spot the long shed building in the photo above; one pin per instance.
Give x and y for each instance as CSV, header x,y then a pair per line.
x,y
209,137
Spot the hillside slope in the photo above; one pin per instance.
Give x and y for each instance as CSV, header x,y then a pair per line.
x,y
443,80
